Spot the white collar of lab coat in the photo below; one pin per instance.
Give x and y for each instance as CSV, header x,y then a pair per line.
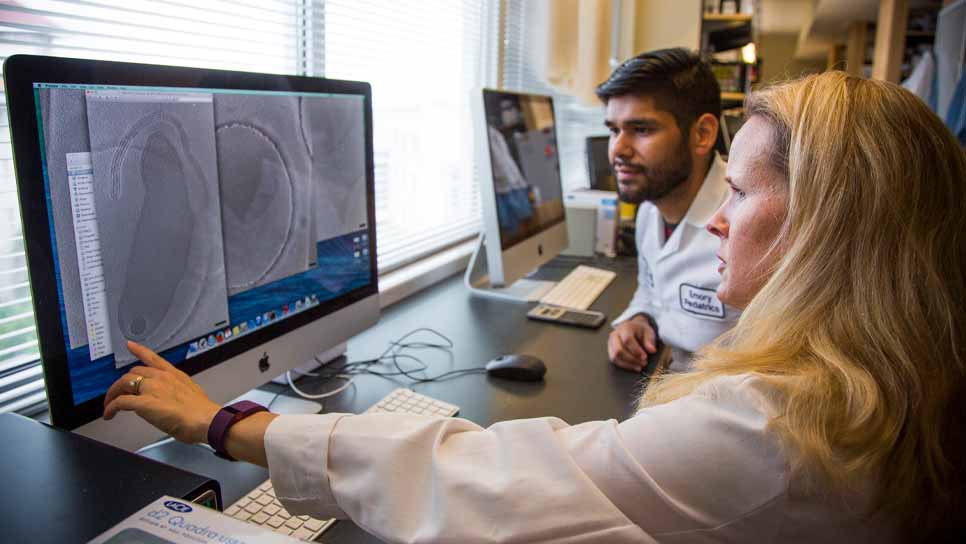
x,y
710,196
706,202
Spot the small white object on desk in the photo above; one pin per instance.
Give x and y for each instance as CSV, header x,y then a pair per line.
x,y
583,224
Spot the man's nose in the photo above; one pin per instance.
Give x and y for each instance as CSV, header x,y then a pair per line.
x,y
620,147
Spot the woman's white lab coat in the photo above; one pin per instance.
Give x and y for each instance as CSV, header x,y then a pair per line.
x,y
699,469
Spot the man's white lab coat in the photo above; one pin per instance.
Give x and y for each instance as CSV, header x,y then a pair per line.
x,y
677,279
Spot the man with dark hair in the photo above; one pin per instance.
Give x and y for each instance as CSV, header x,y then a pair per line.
x,y
662,111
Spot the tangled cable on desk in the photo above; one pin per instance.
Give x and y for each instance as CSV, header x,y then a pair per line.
x,y
393,354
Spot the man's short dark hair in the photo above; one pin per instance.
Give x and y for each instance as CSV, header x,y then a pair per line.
x,y
677,79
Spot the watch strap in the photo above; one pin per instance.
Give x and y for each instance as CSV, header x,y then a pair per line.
x,y
224,419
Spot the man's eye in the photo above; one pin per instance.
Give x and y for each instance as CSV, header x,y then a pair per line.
x,y
643,130
613,130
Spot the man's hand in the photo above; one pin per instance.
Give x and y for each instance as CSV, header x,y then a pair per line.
x,y
631,342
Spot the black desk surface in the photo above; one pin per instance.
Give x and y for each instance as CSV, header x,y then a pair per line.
x,y
580,384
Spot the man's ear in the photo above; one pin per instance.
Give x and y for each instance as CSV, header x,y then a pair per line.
x,y
704,134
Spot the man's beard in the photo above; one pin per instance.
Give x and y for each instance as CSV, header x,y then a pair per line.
x,y
659,180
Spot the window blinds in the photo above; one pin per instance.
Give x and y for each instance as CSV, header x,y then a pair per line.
x,y
422,58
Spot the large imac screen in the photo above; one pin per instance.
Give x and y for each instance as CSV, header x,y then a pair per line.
x,y
524,162
197,219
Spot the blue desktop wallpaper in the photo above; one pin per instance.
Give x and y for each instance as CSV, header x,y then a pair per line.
x,y
343,265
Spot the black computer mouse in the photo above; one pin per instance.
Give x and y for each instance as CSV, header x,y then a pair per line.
x,y
523,368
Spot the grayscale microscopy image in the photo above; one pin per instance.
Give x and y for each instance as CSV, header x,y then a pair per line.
x,y
334,130
263,172
158,211
64,114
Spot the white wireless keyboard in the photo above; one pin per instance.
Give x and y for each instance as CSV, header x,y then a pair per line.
x,y
580,288
261,507
405,401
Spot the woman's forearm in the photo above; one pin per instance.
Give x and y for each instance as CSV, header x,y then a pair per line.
x,y
245,440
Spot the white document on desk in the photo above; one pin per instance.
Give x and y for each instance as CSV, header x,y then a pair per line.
x,y
174,521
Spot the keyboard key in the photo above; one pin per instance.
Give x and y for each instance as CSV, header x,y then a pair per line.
x,y
265,500
275,522
303,533
260,518
313,524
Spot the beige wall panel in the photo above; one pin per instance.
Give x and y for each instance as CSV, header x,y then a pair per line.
x,y
667,23
777,53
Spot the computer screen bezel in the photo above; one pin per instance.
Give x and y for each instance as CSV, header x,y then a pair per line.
x,y
21,72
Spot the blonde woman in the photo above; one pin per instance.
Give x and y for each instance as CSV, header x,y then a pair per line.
x,y
832,412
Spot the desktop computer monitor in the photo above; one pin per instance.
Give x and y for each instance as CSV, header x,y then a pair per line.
x,y
223,219
523,207
599,169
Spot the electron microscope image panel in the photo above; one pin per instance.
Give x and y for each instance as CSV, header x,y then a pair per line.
x,y
64,114
263,172
335,130
158,214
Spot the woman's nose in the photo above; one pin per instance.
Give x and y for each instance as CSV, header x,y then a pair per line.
x,y
718,225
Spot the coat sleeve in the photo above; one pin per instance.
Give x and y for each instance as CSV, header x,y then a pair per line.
x,y
408,478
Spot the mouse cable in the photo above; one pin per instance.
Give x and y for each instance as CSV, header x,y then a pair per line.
x,y
395,352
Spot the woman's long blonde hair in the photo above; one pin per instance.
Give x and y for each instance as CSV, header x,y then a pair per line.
x,y
861,326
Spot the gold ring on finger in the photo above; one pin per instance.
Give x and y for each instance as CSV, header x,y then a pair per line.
x,y
136,384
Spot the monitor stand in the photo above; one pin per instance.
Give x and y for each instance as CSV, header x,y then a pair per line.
x,y
283,403
477,280
286,404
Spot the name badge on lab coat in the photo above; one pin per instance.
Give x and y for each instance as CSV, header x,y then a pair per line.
x,y
700,301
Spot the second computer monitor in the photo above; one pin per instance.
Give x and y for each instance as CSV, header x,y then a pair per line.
x,y
523,210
